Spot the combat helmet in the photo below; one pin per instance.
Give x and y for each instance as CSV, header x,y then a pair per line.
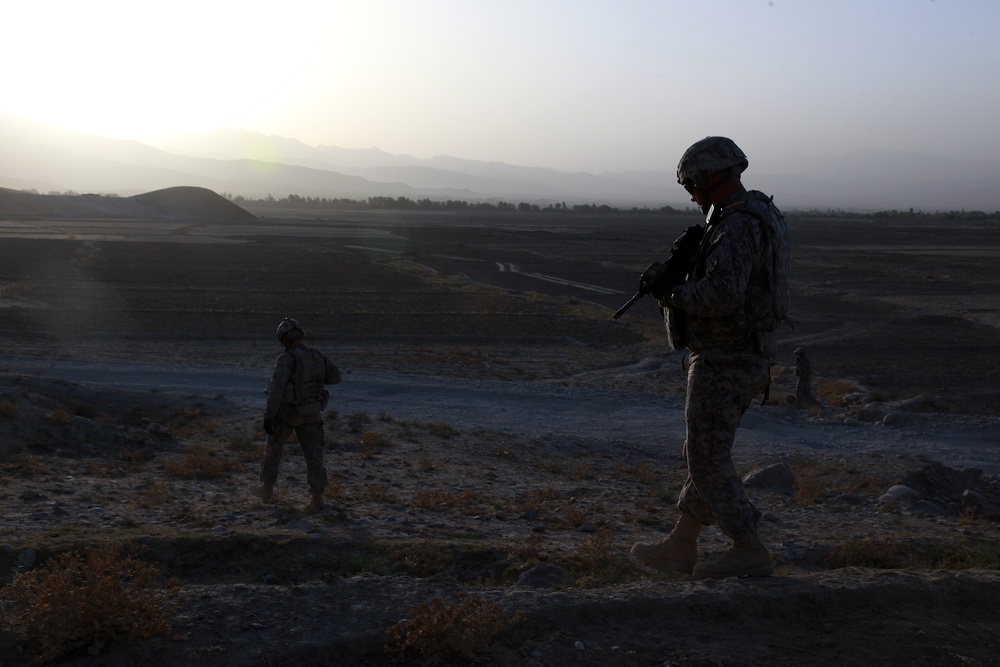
x,y
289,325
709,156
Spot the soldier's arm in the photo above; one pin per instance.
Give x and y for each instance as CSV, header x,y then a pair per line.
x,y
332,372
729,263
276,387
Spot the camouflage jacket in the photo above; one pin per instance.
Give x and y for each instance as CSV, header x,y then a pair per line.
x,y
297,383
727,299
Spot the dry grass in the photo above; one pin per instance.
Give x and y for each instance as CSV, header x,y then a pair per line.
x,y
8,410
199,462
439,630
85,600
816,480
438,499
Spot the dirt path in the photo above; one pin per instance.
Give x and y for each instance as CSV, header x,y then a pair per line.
x,y
546,410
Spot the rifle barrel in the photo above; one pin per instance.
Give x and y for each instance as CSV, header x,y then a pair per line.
x,y
635,297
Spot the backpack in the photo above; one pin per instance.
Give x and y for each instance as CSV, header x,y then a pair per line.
x,y
772,307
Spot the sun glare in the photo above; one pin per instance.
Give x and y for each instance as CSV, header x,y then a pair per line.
x,y
125,69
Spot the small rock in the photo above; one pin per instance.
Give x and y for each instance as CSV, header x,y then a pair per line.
x,y
850,499
543,576
980,505
587,527
927,507
579,646
27,557
779,476
157,429
902,492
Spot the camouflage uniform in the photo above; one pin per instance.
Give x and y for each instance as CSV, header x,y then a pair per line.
x,y
730,360
296,398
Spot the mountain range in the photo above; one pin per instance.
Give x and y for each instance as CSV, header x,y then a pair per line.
x,y
239,162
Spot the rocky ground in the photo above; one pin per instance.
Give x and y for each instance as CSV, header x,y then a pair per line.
x,y
496,447
537,525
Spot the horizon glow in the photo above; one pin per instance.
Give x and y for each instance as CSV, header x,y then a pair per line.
x,y
577,86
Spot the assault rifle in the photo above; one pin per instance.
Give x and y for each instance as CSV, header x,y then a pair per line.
x,y
659,277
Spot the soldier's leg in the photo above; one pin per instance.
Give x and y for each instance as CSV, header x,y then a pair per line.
x,y
311,437
271,462
718,395
723,399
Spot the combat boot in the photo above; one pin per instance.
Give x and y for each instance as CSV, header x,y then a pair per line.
x,y
678,552
266,492
671,554
746,558
315,502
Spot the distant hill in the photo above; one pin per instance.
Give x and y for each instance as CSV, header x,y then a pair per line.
x,y
256,166
178,203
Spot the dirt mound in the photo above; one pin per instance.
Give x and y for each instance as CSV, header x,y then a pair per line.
x,y
193,202
179,203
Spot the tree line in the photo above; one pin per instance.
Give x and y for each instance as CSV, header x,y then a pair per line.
x,y
427,204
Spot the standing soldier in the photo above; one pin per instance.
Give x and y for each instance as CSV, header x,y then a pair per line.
x,y
804,395
296,397
725,314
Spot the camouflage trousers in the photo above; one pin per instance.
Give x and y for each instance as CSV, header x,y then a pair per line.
x,y
718,393
309,429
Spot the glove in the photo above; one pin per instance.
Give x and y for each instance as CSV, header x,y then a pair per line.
x,y
269,426
649,278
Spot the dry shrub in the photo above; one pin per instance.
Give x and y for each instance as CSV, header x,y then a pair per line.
x,y
8,410
199,462
440,429
423,559
639,472
156,493
597,551
442,630
26,466
873,552
833,392
536,497
816,479
60,416
380,493
893,554
373,443
430,499
77,601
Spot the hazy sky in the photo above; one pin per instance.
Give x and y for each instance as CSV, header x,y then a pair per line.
x,y
571,84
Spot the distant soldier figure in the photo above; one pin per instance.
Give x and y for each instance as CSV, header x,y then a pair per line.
x,y
804,395
725,314
296,398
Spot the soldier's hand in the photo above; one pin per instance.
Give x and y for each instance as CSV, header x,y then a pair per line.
x,y
650,279
269,426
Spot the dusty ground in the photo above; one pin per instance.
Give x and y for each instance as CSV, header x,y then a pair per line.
x,y
493,419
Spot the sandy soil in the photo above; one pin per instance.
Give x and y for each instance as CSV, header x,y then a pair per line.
x,y
492,422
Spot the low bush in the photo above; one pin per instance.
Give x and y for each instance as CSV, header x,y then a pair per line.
x,y
199,462
78,601
444,630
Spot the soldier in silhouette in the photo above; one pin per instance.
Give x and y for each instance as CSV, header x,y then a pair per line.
x,y
296,398
804,395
